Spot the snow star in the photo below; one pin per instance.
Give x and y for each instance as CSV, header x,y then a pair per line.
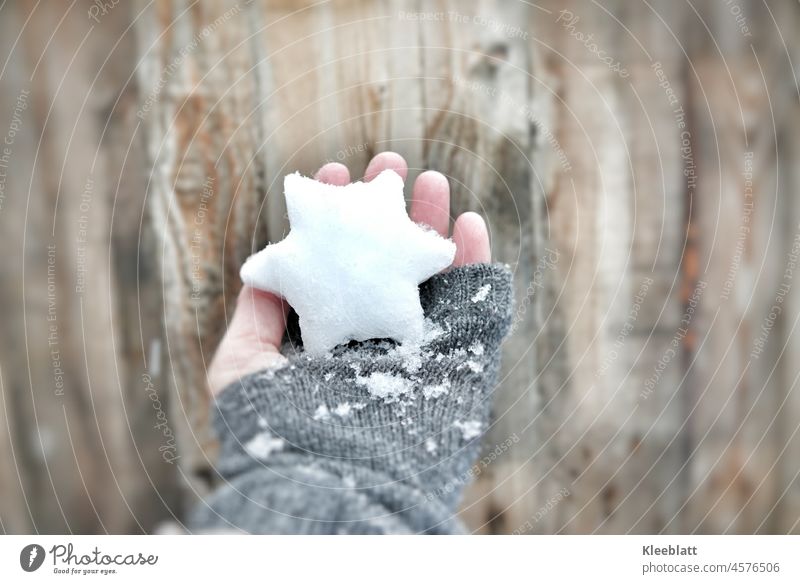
x,y
352,262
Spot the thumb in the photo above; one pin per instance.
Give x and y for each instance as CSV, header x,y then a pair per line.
x,y
252,340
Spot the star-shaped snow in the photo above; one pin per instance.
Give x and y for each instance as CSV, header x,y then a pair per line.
x,y
352,262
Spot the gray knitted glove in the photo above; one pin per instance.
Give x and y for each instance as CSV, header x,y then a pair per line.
x,y
371,438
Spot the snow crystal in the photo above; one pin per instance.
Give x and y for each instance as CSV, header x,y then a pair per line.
x,y
413,362
365,284
432,332
321,413
432,391
328,376
343,409
476,348
469,429
263,444
474,366
431,445
385,385
411,354
482,293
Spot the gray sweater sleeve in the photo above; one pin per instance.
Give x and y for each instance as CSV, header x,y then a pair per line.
x,y
371,438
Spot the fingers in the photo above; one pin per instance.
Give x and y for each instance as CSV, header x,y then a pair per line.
x,y
333,173
386,161
472,240
430,204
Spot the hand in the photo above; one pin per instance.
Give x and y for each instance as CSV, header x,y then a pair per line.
x,y
254,336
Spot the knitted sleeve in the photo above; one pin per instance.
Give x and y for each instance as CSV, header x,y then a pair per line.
x,y
372,437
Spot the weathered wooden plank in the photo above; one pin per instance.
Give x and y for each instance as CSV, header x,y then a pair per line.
x,y
582,425
14,512
784,516
778,55
733,447
198,91
648,485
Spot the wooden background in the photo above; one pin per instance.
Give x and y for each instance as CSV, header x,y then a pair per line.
x,y
148,145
